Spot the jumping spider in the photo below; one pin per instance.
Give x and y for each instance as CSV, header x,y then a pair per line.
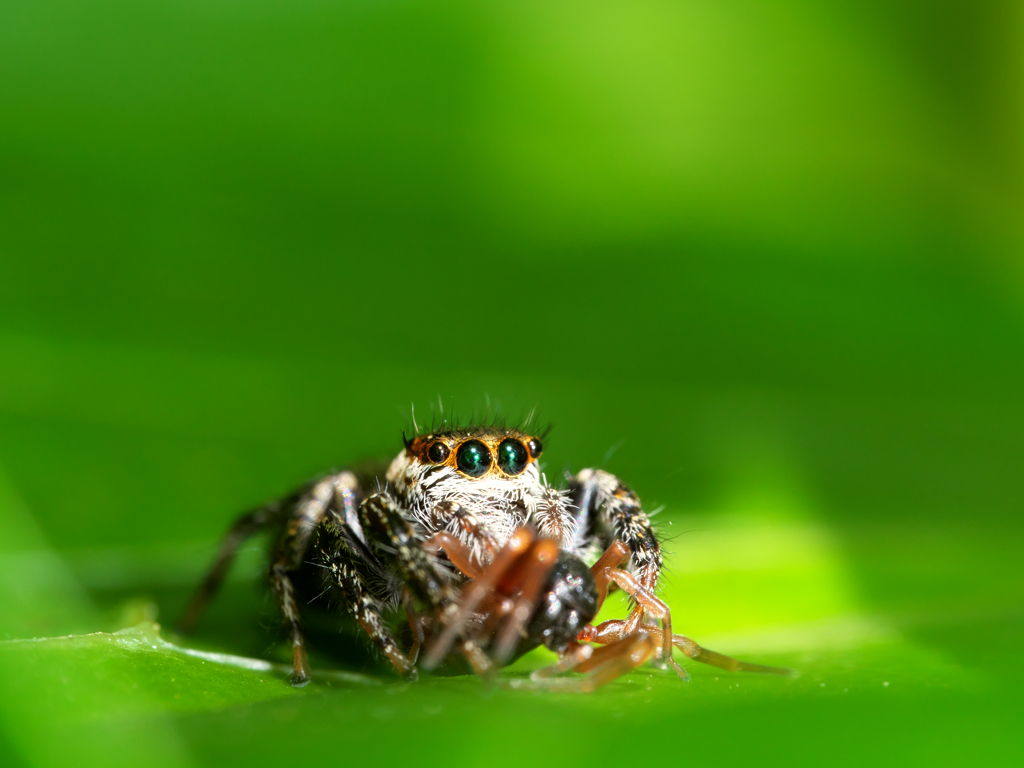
x,y
486,558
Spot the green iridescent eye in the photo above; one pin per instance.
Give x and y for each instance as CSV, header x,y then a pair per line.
x,y
512,457
473,458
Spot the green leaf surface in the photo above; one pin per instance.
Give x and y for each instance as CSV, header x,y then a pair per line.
x,y
762,261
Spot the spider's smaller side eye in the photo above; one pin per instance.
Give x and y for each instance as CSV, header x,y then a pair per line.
x,y
473,458
535,446
438,453
512,457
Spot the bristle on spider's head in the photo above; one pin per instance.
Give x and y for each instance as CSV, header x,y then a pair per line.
x,y
445,421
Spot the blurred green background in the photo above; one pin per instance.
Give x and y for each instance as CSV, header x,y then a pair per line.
x,y
761,260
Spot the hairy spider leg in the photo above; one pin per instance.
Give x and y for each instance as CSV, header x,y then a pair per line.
x,y
302,513
381,515
247,525
614,511
291,550
344,572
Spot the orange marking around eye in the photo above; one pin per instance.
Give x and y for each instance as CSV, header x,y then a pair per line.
x,y
418,447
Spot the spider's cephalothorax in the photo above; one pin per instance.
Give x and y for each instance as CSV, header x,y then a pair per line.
x,y
480,478
485,557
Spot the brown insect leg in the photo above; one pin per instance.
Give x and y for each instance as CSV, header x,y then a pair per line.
x,y
606,632
628,654
574,655
600,665
533,568
720,660
613,557
614,630
457,552
645,599
474,593
617,553
476,657
415,623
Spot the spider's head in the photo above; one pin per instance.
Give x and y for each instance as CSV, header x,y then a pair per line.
x,y
490,472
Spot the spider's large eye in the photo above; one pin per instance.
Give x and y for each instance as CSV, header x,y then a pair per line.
x,y
438,452
473,458
512,457
535,447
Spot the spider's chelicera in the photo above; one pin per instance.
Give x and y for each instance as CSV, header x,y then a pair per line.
x,y
486,558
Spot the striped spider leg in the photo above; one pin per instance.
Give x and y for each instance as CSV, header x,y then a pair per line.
x,y
367,554
612,511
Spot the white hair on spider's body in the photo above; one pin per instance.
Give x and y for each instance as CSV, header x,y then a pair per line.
x,y
498,501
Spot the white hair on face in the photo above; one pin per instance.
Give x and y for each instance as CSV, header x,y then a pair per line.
x,y
499,504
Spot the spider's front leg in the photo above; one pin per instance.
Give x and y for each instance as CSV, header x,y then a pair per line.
x,y
609,507
346,569
383,523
